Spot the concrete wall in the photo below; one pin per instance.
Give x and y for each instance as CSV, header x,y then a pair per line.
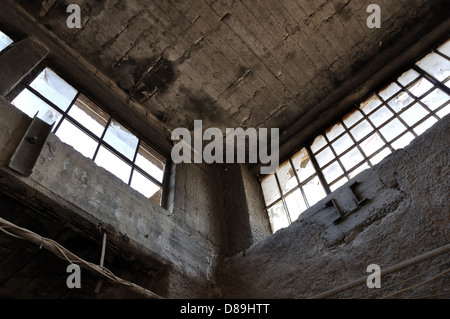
x,y
406,214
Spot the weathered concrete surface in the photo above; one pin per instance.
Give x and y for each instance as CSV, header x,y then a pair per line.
x,y
89,197
407,214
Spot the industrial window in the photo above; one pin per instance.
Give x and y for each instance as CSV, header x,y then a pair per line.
x,y
83,125
5,41
386,121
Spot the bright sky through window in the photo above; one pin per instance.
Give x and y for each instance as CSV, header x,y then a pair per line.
x,y
387,120
92,132
5,41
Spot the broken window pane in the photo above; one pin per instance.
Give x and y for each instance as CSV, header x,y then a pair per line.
x,y
89,115
393,129
371,104
278,217
146,187
352,158
150,162
425,125
414,114
351,118
435,65
372,144
420,87
332,172
303,165
270,189
55,89
70,134
342,144
334,131
361,130
30,104
114,164
435,99
389,91
121,139
400,101
380,116
403,141
325,156
379,157
339,183
408,77
295,204
5,41
314,191
286,177
318,143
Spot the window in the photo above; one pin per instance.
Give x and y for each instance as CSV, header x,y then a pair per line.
x,y
5,41
386,121
92,132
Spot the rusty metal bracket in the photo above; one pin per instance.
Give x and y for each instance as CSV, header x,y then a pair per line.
x,y
30,147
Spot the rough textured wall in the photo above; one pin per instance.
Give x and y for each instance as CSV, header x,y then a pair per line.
x,y
407,214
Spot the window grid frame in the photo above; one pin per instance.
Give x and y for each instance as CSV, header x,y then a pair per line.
x,y
436,84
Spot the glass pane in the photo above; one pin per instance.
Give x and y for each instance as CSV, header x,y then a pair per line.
x,y
121,139
150,162
303,165
342,144
359,170
314,191
295,205
372,144
5,41
70,134
325,156
393,129
435,99
435,65
406,78
420,87
414,114
445,48
318,143
379,157
403,141
425,125
361,130
278,217
389,91
286,177
114,164
351,118
352,158
55,89
30,104
339,183
443,112
332,172
270,189
381,116
334,131
89,115
401,101
371,104
146,187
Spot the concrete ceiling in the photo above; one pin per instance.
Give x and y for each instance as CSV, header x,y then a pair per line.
x,y
255,63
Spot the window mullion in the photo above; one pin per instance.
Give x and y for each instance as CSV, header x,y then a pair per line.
x,y
318,170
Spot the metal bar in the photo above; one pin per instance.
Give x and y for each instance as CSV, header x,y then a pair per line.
x,y
410,262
